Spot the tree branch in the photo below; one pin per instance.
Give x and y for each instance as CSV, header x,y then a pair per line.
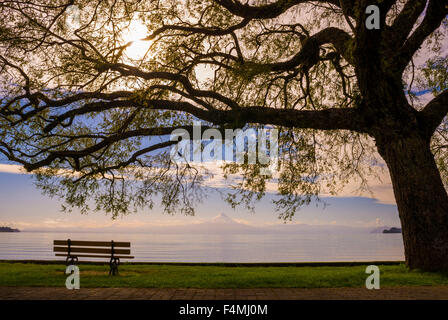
x,y
106,142
200,30
437,10
268,11
328,119
434,112
311,47
404,22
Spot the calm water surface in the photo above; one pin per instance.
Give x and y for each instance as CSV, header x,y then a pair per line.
x,y
220,248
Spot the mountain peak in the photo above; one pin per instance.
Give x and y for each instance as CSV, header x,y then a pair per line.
x,y
222,218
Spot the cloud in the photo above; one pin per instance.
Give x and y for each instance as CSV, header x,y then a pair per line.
x,y
12,168
380,189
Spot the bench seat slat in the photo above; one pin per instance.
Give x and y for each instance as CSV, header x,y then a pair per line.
x,y
91,243
91,250
93,256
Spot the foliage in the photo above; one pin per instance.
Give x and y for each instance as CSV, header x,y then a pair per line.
x,y
92,121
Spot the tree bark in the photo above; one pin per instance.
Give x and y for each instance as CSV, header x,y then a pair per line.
x,y
421,199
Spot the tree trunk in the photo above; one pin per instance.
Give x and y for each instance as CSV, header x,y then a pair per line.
x,y
421,199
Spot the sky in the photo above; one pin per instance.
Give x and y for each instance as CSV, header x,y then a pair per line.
x,y
24,207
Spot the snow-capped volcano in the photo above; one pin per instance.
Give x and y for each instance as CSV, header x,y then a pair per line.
x,y
222,218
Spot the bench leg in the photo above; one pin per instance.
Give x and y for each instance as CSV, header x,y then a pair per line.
x,y
114,263
71,260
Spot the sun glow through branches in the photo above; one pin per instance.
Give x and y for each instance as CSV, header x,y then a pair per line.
x,y
133,34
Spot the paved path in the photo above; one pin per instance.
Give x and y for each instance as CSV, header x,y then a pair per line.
x,y
406,293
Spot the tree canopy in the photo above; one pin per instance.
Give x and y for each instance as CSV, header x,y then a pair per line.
x,y
89,108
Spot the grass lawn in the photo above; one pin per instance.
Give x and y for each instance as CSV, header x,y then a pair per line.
x,y
175,276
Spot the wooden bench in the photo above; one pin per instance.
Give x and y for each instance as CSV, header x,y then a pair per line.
x,y
73,249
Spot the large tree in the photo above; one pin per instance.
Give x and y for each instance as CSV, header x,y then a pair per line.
x,y
83,111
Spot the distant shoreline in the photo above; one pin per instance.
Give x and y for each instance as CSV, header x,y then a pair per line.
x,y
223,264
8,229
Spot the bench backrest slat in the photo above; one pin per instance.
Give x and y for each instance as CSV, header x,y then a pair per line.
x,y
92,243
92,250
94,256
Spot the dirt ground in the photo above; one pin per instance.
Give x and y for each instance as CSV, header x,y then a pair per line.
x,y
394,293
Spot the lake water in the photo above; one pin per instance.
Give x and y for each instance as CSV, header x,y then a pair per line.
x,y
310,247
